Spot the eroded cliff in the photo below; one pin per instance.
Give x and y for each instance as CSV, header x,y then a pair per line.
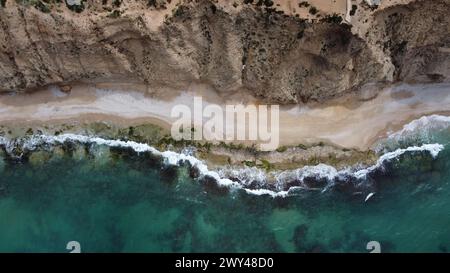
x,y
276,53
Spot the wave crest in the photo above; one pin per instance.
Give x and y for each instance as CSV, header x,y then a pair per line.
x,y
427,129
252,180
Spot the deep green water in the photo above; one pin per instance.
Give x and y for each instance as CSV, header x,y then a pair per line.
x,y
123,202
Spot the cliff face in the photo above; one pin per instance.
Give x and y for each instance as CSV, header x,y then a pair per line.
x,y
276,56
417,39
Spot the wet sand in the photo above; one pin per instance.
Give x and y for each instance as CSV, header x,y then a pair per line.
x,y
349,123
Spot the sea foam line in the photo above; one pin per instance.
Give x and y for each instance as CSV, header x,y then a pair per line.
x,y
433,149
423,124
425,129
173,158
170,157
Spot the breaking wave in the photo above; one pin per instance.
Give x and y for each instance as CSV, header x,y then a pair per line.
x,y
427,129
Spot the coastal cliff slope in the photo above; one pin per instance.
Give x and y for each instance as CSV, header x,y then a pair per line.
x,y
278,51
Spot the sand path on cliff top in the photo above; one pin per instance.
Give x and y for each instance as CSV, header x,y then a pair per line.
x,y
346,123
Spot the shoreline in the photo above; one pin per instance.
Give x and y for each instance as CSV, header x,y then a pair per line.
x,y
216,155
350,124
256,181
341,133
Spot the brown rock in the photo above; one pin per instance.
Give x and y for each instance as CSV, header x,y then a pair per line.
x,y
66,88
273,55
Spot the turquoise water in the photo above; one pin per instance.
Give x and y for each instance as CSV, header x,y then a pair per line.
x,y
115,200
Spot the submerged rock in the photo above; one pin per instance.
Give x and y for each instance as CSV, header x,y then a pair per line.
x,y
58,153
169,173
39,158
211,186
194,172
2,160
79,152
101,154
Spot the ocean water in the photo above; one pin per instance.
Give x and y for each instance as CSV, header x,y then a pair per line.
x,y
112,196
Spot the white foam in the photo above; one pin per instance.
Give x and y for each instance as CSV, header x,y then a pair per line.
x,y
267,192
369,196
422,126
245,175
433,149
320,171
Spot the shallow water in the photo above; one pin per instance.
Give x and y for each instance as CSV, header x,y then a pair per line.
x,y
116,200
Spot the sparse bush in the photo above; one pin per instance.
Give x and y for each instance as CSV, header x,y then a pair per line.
x,y
313,10
213,9
303,4
353,10
249,163
268,3
158,4
114,14
76,8
302,146
37,4
41,7
117,3
178,11
265,165
334,18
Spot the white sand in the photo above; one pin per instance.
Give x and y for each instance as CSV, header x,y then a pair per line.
x,y
347,124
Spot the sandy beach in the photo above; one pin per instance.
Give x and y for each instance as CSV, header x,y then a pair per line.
x,y
347,123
